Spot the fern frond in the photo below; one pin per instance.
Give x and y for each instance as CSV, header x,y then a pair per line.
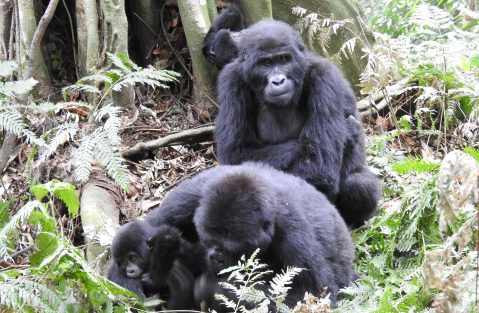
x,y
280,280
64,133
84,157
122,61
17,88
67,193
7,68
348,47
94,79
112,125
11,121
18,293
19,217
110,157
225,301
81,88
253,295
148,76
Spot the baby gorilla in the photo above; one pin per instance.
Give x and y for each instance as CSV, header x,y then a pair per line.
x,y
146,261
131,256
237,209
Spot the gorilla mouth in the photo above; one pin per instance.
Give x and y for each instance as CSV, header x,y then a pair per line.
x,y
278,93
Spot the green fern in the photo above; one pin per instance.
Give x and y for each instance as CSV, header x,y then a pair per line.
x,y
11,121
63,133
415,165
17,88
64,191
20,294
243,280
472,152
7,68
10,227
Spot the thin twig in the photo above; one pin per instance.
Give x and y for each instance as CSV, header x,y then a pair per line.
x,y
34,50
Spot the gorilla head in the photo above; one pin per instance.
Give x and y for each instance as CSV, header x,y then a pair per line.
x,y
130,250
234,218
273,62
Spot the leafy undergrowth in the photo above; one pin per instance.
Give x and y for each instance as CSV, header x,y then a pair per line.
x,y
417,254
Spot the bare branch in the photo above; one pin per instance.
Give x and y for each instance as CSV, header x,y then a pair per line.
x,y
175,138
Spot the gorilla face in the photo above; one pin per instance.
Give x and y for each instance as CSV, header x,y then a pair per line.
x,y
274,67
234,218
133,265
130,250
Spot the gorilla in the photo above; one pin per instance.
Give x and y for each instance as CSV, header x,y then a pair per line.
x,y
219,44
233,210
283,106
148,260
131,256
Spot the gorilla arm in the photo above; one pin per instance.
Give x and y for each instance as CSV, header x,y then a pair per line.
x,y
324,136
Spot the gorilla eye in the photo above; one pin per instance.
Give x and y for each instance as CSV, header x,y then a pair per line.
x,y
266,62
285,58
132,257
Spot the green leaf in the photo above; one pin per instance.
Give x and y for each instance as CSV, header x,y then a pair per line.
x,y
4,212
68,194
39,191
474,60
472,152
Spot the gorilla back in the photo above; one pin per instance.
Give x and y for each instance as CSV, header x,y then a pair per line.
x,y
237,209
281,105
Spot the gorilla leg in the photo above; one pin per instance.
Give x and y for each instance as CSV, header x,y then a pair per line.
x,y
358,196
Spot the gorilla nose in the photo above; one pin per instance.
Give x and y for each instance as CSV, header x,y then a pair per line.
x,y
278,80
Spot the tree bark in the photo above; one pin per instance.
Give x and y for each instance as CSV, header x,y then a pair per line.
x,y
28,26
88,36
5,24
195,19
146,25
255,11
343,9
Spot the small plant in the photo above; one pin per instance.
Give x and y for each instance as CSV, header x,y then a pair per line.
x,y
245,278
104,143
57,278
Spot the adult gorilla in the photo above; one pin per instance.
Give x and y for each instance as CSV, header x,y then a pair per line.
x,y
281,105
234,210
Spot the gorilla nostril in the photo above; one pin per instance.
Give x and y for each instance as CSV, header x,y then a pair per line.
x,y
278,80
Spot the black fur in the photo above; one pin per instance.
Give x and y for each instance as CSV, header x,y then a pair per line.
x,y
130,256
219,44
236,209
281,105
161,263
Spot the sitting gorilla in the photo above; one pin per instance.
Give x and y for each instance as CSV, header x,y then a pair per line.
x,y
236,209
283,106
148,260
219,44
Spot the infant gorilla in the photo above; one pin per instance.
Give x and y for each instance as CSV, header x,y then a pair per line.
x,y
234,210
150,260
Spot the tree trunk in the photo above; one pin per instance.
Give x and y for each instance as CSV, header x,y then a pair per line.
x,y
88,36
5,24
28,26
146,25
196,23
255,11
343,9
93,43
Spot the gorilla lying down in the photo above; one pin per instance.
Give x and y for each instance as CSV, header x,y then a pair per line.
x,y
281,105
234,210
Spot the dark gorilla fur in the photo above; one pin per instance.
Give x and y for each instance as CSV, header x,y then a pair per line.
x,y
281,105
150,260
219,44
237,209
